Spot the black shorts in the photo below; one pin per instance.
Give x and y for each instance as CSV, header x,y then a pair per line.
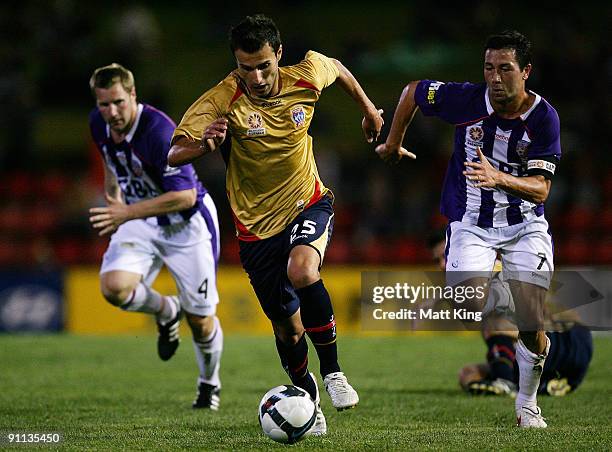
x,y
265,261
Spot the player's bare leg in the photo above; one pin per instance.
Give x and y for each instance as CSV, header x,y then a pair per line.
x,y
208,346
127,291
480,286
318,319
531,351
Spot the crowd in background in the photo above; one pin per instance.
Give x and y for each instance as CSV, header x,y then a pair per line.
x,y
50,173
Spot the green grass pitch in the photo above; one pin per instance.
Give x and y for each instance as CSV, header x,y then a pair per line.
x,y
113,393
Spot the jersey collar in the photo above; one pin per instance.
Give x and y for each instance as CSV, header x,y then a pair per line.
x,y
132,131
524,116
537,100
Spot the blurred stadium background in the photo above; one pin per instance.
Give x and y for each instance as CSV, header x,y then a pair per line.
x,y
50,173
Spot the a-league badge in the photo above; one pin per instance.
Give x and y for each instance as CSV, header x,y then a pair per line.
x,y
298,116
256,127
476,133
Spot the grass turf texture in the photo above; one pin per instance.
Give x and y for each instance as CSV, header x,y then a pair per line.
x,y
111,393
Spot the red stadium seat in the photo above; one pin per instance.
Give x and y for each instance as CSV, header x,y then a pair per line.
x,y
575,251
339,251
53,186
578,219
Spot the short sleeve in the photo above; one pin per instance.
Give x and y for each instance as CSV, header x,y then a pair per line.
x,y
320,70
451,102
172,179
199,116
544,152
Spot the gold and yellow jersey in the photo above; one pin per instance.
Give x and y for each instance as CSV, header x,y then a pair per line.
x,y
271,171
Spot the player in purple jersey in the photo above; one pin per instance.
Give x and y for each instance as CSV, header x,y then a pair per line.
x,y
506,151
157,215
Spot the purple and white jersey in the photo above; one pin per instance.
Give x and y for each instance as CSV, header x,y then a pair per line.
x,y
140,162
525,146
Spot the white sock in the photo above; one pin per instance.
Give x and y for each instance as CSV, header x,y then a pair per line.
x,y
208,355
531,366
143,299
168,310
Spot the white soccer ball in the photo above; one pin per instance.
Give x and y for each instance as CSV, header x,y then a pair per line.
x,y
287,414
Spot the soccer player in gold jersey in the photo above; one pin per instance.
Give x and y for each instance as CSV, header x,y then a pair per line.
x,y
282,211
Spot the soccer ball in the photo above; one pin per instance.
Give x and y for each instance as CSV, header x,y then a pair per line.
x,y
287,414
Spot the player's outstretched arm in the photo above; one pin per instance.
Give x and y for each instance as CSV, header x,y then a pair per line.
x,y
185,150
108,219
392,150
534,189
372,117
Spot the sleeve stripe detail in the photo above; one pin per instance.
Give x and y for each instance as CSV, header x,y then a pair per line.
x,y
471,122
237,94
304,84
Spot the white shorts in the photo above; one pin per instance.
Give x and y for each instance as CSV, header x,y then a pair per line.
x,y
525,249
141,246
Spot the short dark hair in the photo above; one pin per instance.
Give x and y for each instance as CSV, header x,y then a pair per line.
x,y
253,33
106,76
512,39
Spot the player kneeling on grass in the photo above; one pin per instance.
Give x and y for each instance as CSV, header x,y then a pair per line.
x,y
571,349
157,215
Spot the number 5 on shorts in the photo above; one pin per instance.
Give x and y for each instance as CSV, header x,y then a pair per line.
x,y
308,227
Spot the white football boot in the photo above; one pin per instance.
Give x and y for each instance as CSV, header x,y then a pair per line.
x,y
530,417
342,394
319,428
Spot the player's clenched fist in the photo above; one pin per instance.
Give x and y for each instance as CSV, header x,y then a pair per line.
x,y
214,135
371,124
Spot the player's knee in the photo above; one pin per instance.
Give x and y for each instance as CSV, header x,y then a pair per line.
x,y
303,272
290,339
201,326
115,290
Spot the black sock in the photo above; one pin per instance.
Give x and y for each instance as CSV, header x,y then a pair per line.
x,y
320,325
500,357
294,359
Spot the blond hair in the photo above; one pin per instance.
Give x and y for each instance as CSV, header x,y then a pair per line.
x,y
106,76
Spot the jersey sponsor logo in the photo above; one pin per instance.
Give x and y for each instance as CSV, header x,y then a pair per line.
x,y
274,103
542,165
298,116
256,128
501,137
431,92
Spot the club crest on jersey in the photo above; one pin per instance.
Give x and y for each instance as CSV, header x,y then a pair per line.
x,y
122,158
256,127
298,116
521,148
137,167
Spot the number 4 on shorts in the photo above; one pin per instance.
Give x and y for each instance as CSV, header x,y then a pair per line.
x,y
204,288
